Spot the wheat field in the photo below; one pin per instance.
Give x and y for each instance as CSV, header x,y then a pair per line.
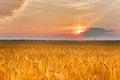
x,y
60,60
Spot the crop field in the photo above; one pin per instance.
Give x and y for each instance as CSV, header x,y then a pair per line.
x,y
60,60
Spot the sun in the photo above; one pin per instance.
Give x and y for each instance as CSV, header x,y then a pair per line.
x,y
79,30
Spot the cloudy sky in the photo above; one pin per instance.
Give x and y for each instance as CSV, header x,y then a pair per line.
x,y
60,19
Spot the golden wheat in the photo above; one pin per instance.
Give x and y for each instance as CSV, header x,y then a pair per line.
x,y
60,61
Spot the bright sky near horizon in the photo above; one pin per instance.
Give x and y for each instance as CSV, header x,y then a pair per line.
x,y
60,19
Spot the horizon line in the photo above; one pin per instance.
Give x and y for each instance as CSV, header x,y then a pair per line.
x,y
52,40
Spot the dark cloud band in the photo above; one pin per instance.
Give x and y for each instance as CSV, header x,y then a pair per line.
x,y
96,32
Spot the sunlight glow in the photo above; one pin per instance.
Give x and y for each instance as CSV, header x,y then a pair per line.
x,y
79,30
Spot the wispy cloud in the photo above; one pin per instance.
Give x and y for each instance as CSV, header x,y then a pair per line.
x,y
8,7
105,12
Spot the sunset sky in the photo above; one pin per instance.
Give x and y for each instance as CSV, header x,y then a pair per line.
x,y
60,19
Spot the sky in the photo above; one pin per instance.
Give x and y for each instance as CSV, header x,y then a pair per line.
x,y
60,19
